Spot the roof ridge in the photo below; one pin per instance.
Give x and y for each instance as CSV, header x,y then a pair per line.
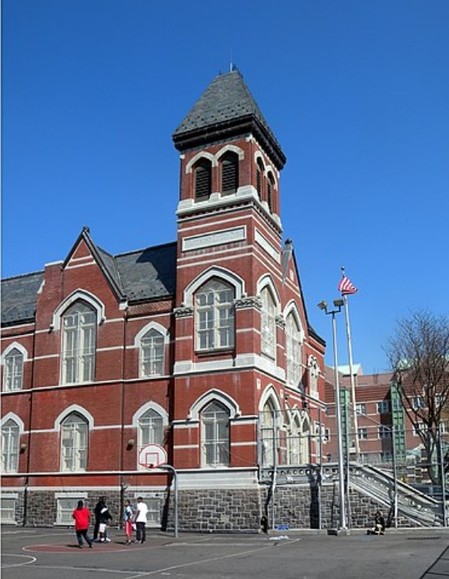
x,y
145,248
21,275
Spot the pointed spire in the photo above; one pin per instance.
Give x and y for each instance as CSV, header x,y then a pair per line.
x,y
226,109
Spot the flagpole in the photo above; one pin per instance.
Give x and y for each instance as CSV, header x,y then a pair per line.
x,y
351,376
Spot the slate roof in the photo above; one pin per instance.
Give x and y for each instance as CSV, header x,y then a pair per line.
x,y
149,273
19,295
222,107
145,274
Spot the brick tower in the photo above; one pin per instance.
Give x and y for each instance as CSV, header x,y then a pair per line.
x,y
244,349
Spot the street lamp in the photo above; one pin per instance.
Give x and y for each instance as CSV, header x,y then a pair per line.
x,y
338,304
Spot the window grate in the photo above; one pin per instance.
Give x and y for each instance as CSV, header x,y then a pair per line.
x,y
203,181
229,175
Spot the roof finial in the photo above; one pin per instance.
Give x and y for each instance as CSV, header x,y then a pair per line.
x,y
231,66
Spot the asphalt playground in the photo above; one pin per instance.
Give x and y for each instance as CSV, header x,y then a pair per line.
x,y
42,553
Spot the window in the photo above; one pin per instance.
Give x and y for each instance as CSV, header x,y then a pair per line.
x,y
384,432
259,177
270,191
419,428
151,428
214,316
229,174
10,446
79,333
293,350
383,407
396,404
64,510
305,438
418,402
8,510
362,433
13,371
203,180
314,372
294,443
268,330
360,409
152,354
74,439
215,434
154,512
267,432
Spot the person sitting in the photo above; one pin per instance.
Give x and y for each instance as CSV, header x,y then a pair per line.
x,y
379,525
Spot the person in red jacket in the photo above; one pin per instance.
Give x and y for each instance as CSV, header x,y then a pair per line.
x,y
82,519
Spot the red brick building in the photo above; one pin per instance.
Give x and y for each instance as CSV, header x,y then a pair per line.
x,y
378,410
202,346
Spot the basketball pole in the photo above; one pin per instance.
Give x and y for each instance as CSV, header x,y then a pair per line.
x,y
175,485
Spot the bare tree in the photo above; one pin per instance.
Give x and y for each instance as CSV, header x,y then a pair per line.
x,y
418,353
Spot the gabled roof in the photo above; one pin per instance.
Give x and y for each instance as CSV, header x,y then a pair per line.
x,y
226,108
141,275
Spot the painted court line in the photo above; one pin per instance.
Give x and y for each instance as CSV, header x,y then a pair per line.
x,y
9,566
211,560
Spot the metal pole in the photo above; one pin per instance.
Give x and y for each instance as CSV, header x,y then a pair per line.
x,y
320,471
341,477
443,475
175,485
395,477
347,466
351,377
275,462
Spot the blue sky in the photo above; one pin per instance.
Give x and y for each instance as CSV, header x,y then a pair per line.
x,y
356,92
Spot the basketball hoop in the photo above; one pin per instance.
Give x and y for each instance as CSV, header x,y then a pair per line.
x,y
152,456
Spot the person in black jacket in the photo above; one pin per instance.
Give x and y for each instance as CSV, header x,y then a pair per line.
x,y
379,525
97,512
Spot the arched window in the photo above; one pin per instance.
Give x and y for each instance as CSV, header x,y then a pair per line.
x,y
150,429
268,327
78,344
268,433
229,173
74,443
259,177
215,434
270,191
293,350
305,441
314,372
152,354
214,311
10,446
294,442
203,179
13,371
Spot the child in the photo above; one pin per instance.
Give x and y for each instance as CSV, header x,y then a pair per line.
x,y
105,517
128,516
82,519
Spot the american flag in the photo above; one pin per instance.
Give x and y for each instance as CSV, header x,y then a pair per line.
x,y
346,287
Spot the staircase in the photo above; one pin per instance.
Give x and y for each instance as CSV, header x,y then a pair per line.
x,y
379,485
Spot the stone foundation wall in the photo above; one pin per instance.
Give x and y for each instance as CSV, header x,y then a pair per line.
x,y
219,510
232,510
